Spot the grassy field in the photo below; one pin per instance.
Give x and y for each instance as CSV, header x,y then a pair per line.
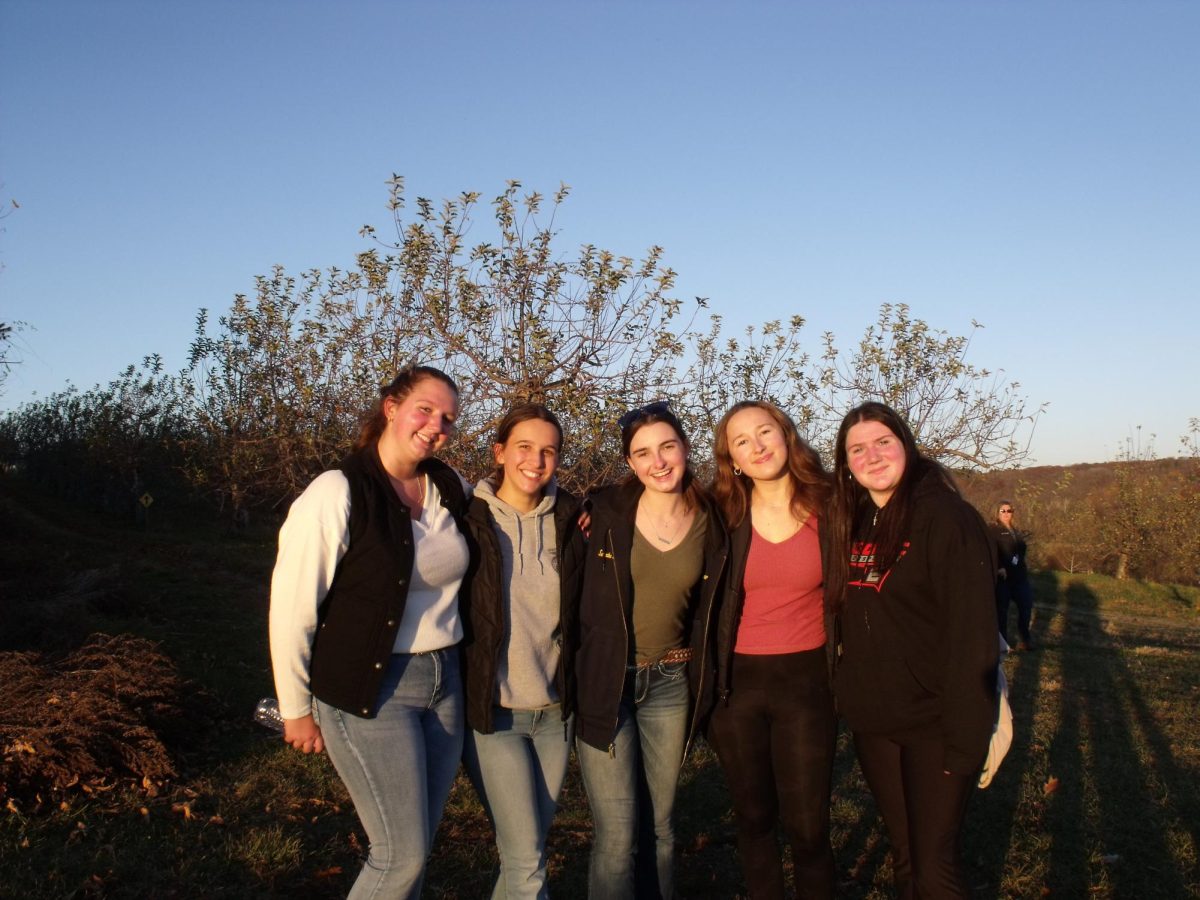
x,y
1099,796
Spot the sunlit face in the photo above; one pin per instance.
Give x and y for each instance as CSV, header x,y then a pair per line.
x,y
421,423
757,444
529,457
1005,515
876,459
658,457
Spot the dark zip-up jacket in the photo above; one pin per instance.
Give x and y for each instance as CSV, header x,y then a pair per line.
x,y
482,607
919,645
1010,551
606,616
360,615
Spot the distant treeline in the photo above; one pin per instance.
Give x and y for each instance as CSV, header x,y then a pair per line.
x,y
109,447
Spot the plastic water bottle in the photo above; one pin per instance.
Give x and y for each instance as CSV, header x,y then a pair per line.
x,y
266,713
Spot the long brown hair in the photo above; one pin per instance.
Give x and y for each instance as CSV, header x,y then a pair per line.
x,y
810,481
397,389
852,502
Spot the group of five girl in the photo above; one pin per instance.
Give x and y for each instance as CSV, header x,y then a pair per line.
x,y
415,619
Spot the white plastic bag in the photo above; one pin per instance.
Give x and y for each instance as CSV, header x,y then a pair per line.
x,y
1002,731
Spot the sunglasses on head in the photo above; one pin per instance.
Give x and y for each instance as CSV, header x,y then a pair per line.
x,y
657,408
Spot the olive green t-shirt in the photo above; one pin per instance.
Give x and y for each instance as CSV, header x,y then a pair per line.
x,y
662,590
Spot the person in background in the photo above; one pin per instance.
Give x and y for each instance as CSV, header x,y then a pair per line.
x,y
654,559
1012,575
518,607
773,727
910,576
364,625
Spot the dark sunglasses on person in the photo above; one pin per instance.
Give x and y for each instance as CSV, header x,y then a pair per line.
x,y
657,408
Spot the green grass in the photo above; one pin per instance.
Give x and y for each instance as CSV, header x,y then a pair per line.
x,y
1098,796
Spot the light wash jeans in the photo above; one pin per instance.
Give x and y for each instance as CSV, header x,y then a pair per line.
x,y
632,790
399,767
518,771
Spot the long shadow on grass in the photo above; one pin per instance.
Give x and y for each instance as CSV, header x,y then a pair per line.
x,y
992,816
1106,826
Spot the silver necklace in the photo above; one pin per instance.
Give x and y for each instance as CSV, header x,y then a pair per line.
x,y
658,533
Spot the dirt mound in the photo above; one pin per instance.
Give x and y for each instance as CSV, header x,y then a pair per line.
x,y
102,714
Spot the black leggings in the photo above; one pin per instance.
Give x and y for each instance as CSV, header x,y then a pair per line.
x,y
923,808
775,740
1015,588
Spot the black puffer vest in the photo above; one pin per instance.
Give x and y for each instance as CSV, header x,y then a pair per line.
x,y
361,613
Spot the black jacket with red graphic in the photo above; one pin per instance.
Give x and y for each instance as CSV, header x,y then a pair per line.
x,y
919,644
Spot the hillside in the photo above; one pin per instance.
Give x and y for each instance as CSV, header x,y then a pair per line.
x,y
1137,519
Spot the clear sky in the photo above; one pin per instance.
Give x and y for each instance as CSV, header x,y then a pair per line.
x,y
1034,166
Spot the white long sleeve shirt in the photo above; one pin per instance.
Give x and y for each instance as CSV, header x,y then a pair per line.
x,y
313,540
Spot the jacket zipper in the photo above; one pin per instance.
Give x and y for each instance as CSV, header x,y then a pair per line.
x,y
612,746
703,655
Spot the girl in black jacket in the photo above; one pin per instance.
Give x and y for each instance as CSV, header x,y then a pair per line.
x,y
518,605
910,575
654,559
773,727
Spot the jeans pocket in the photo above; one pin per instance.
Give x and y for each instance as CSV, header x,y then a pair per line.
x,y
672,671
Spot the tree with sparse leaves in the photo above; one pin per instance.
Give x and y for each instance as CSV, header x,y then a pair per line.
x,y
273,393
7,331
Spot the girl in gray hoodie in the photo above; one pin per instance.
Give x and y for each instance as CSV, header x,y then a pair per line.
x,y
517,603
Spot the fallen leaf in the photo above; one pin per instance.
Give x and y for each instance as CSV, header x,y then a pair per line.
x,y
24,843
184,808
144,811
216,820
1050,786
10,806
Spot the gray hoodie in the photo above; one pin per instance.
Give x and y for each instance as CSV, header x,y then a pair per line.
x,y
529,657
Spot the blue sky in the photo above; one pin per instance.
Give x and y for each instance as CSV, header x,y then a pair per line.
x,y
1031,166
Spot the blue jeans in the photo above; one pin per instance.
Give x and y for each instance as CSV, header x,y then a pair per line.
x,y
631,789
399,766
518,772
